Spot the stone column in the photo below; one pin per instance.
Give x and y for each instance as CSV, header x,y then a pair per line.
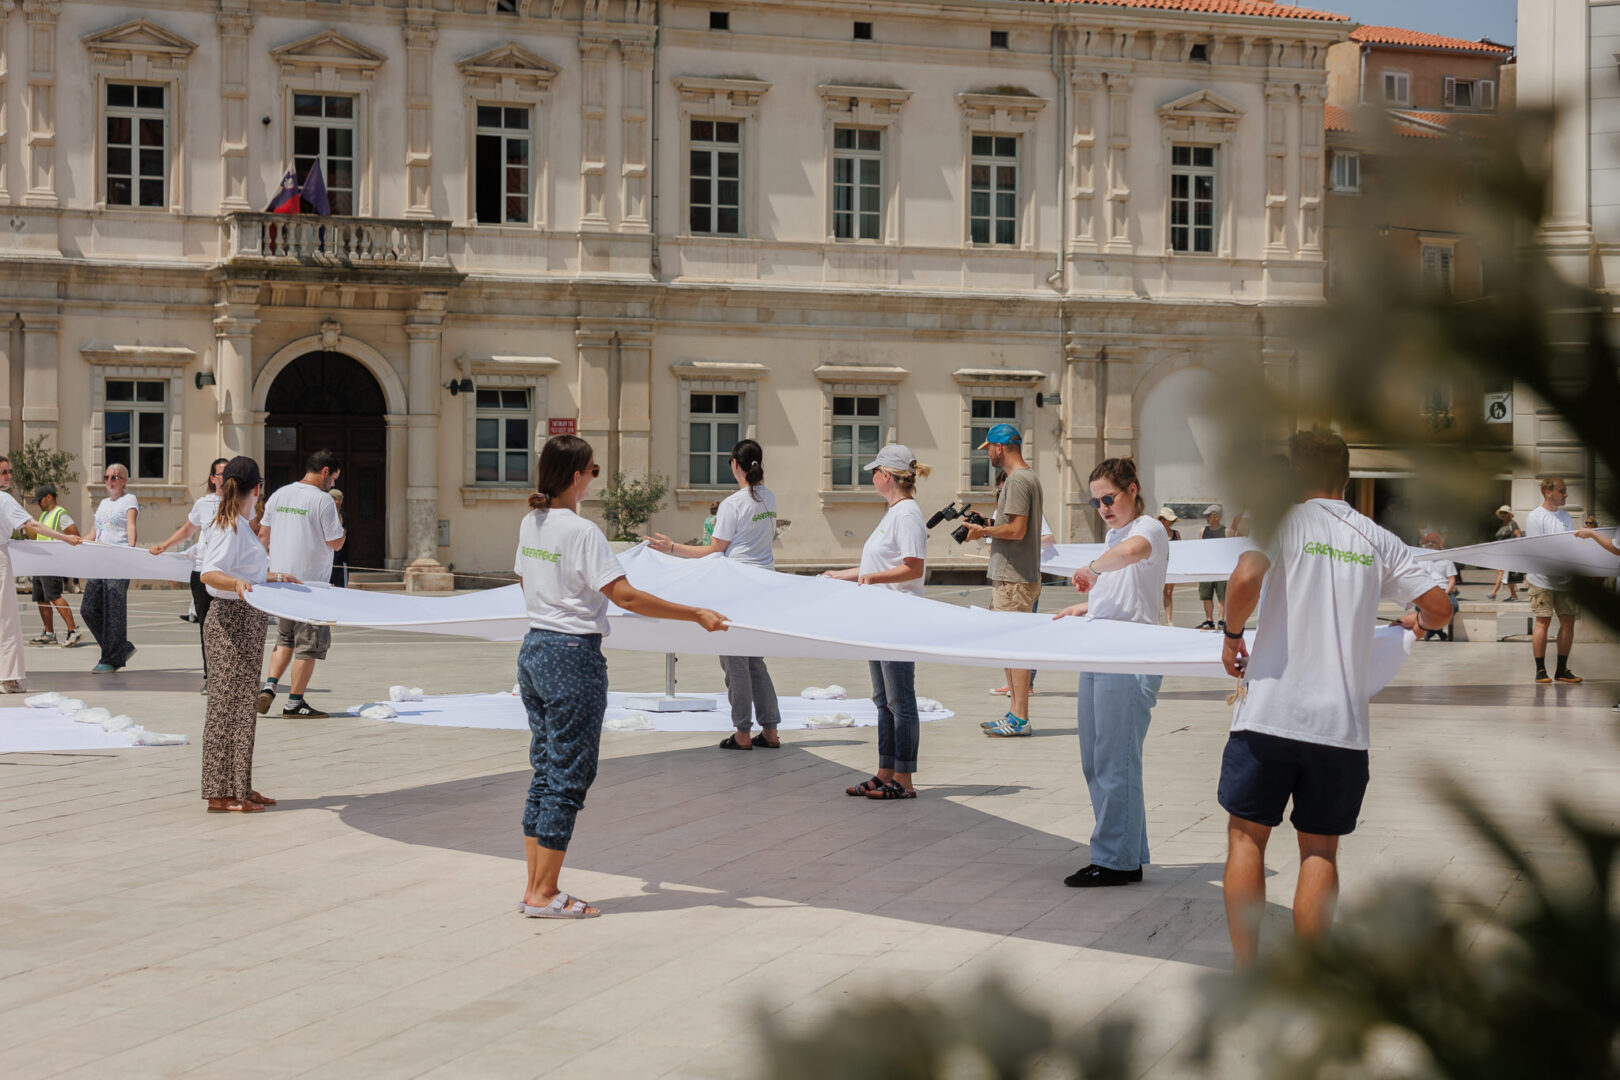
x,y
419,41
634,405
424,328
1119,149
593,119
41,327
41,101
235,316
235,24
636,61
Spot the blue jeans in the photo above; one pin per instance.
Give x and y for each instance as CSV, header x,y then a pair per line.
x,y
563,681
1114,711
894,692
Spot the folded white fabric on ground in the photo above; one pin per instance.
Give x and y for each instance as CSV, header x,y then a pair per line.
x,y
52,558
404,693
784,615
631,721
380,710
929,705
830,720
54,722
824,693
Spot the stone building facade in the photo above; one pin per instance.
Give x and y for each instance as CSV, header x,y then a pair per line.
x,y
823,223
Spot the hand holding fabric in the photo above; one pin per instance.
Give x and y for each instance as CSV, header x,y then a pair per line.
x,y
1235,656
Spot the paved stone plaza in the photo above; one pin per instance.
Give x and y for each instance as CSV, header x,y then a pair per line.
x,y
366,927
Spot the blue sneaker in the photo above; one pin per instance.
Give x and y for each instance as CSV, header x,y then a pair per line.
x,y
102,669
988,724
1010,727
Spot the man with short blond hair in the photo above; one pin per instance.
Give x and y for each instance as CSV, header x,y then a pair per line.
x,y
1550,595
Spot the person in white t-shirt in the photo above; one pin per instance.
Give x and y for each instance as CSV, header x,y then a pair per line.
x,y
204,510
744,529
894,557
230,562
569,575
302,529
1299,728
1445,573
1550,596
1125,583
13,668
105,608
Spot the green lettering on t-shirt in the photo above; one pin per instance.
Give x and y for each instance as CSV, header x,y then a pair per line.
x,y
292,510
538,553
1312,547
764,515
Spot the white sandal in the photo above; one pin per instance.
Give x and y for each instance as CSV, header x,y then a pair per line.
x,y
562,906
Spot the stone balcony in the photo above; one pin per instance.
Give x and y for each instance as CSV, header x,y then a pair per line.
x,y
303,247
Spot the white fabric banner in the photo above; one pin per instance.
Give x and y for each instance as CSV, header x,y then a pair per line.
x,y
783,615
1555,555
1190,560
52,558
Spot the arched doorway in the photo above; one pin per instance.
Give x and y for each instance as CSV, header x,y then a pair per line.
x,y
329,400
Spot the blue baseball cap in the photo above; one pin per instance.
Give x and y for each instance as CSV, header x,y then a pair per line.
x,y
1002,433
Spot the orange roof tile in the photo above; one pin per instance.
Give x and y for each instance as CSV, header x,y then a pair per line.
x,y
1261,8
1394,35
1337,119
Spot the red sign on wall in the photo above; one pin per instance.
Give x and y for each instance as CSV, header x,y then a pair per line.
x,y
563,425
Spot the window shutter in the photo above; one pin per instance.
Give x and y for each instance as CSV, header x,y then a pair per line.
x,y
1487,94
1451,92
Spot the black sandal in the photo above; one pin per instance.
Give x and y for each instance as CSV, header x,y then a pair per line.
x,y
874,784
759,741
891,790
730,743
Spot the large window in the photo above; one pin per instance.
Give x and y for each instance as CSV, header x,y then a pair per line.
x,y
715,194
324,131
993,209
1470,93
1346,171
501,165
136,426
715,426
857,434
1397,88
857,183
1192,199
503,443
986,414
137,145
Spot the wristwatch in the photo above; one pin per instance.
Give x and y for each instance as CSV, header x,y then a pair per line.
x,y
1235,637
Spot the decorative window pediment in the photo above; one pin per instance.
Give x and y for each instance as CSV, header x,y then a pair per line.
x,y
329,50
1000,112
863,104
1202,109
490,69
123,43
720,97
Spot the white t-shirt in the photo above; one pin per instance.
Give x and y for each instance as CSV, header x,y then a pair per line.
x,y
112,519
1307,674
748,526
1545,522
901,535
203,511
13,515
565,563
301,519
236,552
1136,593
1444,571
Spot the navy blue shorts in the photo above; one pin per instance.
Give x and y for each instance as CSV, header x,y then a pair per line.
x,y
1260,773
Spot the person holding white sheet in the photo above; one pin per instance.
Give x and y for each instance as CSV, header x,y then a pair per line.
x,y
1125,582
13,669
204,510
1552,596
105,609
569,574
303,530
744,529
894,557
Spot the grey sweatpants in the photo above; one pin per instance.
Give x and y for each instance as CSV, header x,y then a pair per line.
x,y
750,688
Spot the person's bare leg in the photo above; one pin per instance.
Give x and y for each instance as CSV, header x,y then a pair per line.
x,y
1566,637
1538,638
1317,893
45,617
1169,607
302,670
280,657
901,778
67,615
1209,610
1018,684
1500,574
545,865
1244,886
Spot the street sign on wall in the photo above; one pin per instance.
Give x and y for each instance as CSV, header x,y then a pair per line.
x,y
1499,408
562,425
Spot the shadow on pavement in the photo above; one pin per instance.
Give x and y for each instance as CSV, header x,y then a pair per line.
x,y
707,829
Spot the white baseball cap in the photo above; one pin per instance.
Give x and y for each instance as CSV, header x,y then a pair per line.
x,y
895,456
1212,508
1167,514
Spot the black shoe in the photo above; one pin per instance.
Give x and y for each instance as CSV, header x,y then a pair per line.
x,y
267,695
1206,625
305,710
1095,876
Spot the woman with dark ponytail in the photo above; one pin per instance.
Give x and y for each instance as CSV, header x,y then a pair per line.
x,y
744,529
232,562
569,575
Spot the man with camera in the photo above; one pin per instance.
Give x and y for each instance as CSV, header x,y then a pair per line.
x,y
1015,557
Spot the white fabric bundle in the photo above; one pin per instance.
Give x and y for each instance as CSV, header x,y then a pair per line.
x,y
404,693
824,693
97,716
379,710
830,720
636,721
143,737
48,700
928,704
123,724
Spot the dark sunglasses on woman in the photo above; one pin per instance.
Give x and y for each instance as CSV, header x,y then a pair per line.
x,y
1106,500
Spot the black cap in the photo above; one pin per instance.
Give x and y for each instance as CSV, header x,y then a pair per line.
x,y
245,471
42,491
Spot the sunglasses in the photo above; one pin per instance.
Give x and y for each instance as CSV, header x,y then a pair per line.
x,y
596,470
1106,500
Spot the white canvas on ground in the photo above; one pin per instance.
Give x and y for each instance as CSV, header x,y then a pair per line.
x,y
52,558
504,711
52,729
783,615
1190,560
1552,555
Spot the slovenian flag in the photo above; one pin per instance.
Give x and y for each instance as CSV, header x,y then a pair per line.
x,y
287,200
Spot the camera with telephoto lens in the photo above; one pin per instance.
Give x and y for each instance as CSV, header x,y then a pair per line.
x,y
951,512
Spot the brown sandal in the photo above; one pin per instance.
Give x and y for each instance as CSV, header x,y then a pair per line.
x,y
262,800
235,806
